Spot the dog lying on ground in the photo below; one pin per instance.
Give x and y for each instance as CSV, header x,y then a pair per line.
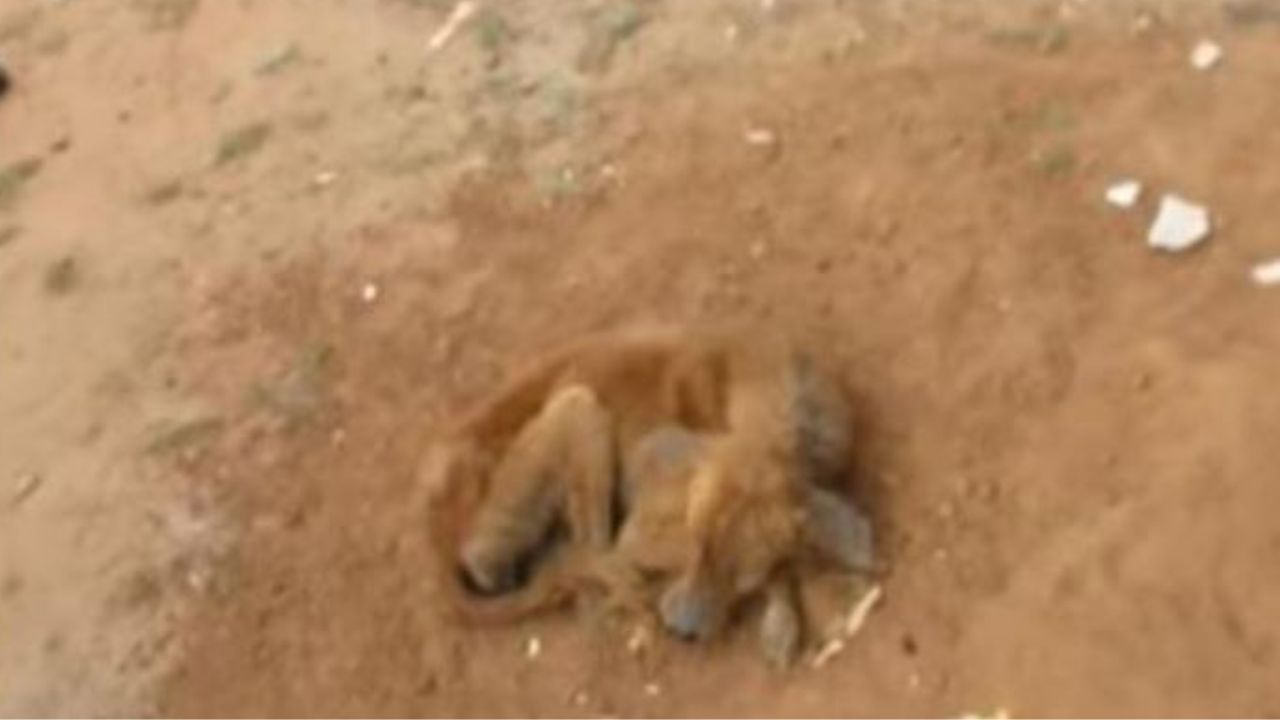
x,y
730,446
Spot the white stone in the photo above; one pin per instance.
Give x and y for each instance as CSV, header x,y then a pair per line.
x,y
1206,55
639,641
369,292
1124,194
1179,225
533,648
1267,273
760,137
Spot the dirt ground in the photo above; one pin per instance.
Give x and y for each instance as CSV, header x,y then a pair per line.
x,y
253,253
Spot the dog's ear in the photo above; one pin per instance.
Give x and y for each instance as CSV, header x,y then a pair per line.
x,y
838,531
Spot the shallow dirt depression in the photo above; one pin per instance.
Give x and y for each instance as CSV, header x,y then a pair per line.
x,y
1069,438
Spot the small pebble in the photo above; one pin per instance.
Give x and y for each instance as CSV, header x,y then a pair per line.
x,y
760,137
1267,274
999,714
909,646
199,578
277,59
324,179
652,689
1124,194
1179,225
1206,55
640,640
369,292
533,648
26,487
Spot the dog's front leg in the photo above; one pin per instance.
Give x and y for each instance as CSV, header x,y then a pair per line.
x,y
781,624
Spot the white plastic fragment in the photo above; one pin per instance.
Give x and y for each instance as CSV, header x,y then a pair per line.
x,y
461,13
852,625
858,616
1124,194
830,649
1206,55
1179,225
1267,274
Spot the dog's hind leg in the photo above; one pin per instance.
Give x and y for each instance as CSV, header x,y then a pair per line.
x,y
562,460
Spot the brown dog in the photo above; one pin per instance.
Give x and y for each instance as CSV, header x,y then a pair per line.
x,y
480,473
734,440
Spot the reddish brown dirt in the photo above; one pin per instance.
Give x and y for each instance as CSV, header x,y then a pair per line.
x,y
1067,436
1069,430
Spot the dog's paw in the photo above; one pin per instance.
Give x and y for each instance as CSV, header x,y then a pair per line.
x,y
780,632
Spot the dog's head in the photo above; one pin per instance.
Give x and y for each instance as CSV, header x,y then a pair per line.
x,y
747,516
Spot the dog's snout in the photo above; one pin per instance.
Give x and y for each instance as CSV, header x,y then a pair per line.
x,y
684,614
683,627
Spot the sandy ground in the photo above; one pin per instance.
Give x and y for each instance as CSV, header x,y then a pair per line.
x,y
252,254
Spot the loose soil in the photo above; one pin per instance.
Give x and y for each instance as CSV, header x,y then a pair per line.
x,y
1065,434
